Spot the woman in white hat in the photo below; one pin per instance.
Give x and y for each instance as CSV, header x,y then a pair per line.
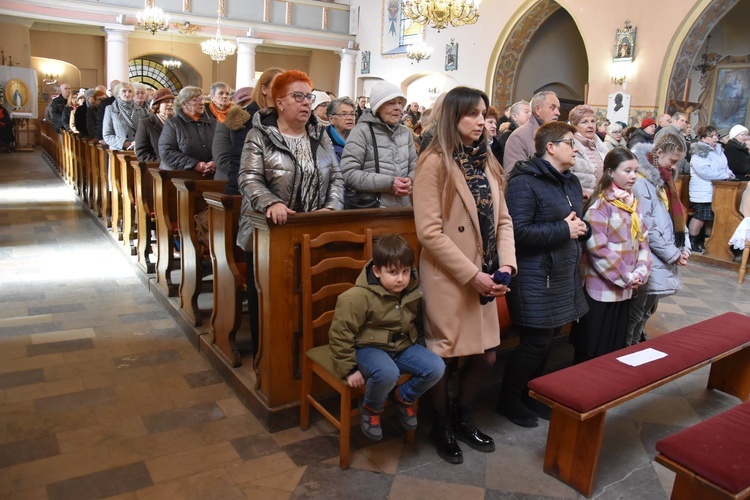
x,y
737,153
379,157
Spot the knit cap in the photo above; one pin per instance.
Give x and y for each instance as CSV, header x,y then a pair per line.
x,y
737,130
383,92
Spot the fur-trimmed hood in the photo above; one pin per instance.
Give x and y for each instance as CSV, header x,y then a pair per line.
x,y
236,118
700,148
645,168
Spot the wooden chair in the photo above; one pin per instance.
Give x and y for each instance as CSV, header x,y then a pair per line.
x,y
322,283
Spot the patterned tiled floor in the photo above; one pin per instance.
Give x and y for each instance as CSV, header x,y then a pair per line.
x,y
101,395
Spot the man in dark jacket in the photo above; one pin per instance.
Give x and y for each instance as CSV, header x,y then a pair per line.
x,y
57,106
545,202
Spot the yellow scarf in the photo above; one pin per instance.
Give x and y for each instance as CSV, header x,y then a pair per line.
x,y
635,221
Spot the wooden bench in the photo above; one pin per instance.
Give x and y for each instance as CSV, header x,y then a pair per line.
x,y
103,176
228,262
725,205
127,198
143,186
190,202
165,211
581,395
711,459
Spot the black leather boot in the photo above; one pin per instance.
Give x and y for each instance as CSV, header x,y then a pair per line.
x,y
441,435
696,244
466,431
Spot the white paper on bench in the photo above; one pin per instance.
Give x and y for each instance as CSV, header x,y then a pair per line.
x,y
641,357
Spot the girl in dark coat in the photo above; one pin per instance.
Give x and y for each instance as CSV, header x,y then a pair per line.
x,y
545,201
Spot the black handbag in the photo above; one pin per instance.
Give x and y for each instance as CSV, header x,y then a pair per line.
x,y
354,199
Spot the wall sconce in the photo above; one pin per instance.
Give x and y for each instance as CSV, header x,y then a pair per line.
x,y
619,72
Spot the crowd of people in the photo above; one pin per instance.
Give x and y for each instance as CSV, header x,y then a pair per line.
x,y
570,222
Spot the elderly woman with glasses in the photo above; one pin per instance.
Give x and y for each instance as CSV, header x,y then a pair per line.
x,y
614,138
287,166
379,158
186,139
342,117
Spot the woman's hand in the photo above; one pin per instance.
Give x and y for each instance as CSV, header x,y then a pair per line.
x,y
482,283
205,168
278,213
401,186
577,226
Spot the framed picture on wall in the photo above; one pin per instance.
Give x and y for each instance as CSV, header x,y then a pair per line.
x,y
624,43
365,69
451,56
730,96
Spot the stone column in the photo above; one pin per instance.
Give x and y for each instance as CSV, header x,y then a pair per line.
x,y
116,52
246,61
347,72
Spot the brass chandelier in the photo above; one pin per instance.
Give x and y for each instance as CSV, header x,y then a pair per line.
x,y
152,19
217,48
440,13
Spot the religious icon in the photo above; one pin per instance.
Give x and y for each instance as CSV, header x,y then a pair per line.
x,y
365,69
17,94
451,56
624,43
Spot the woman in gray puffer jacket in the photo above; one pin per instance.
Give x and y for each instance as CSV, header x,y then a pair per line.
x,y
287,166
396,155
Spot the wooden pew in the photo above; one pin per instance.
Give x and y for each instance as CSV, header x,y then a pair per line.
x,y
115,200
581,394
725,205
190,202
128,200
143,186
277,264
105,211
93,181
228,262
710,459
165,211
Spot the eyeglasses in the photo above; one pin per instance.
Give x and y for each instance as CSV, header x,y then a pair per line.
x,y
300,96
345,115
196,99
571,142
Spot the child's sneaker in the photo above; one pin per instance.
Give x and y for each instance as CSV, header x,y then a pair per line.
x,y
406,413
370,423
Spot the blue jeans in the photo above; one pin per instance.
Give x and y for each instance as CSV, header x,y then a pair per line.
x,y
382,369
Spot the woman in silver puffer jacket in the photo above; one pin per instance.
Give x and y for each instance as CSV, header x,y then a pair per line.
x,y
287,166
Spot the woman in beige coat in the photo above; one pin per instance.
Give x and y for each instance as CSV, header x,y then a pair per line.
x,y
466,235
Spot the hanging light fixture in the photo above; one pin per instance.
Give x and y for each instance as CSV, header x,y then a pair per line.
x,y
171,63
706,64
152,19
217,48
418,52
440,13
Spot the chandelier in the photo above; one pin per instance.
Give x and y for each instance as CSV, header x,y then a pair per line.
x,y
418,52
440,13
217,48
171,63
153,19
707,63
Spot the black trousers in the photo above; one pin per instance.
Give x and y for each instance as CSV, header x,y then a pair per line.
x,y
526,362
252,301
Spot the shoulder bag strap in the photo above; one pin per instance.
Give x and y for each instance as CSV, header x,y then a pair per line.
x,y
374,148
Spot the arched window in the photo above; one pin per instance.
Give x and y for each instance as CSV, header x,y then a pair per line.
x,y
153,74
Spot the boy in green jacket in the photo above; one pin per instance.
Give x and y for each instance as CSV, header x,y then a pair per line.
x,y
373,336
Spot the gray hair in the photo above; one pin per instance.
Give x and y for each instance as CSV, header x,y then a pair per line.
x,y
516,108
676,116
539,98
120,85
216,86
614,128
186,94
139,86
335,104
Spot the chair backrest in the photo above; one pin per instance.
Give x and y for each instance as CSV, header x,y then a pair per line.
x,y
328,268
